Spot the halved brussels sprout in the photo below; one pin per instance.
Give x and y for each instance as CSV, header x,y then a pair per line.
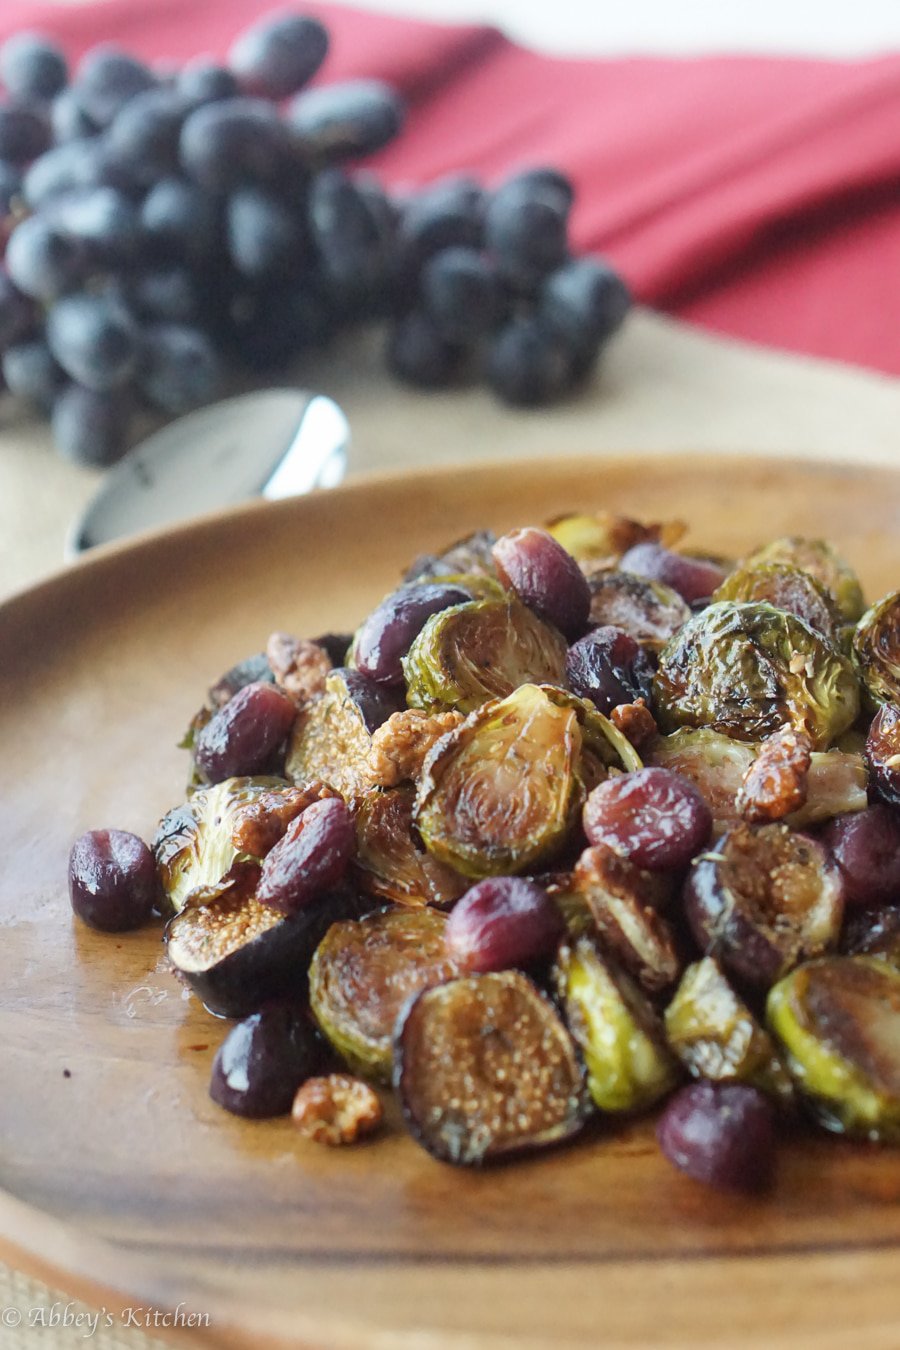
x,y
715,1035
748,669
605,536
647,610
629,1066
471,555
362,973
480,650
599,736
876,650
838,1021
390,859
498,794
786,587
332,735
822,562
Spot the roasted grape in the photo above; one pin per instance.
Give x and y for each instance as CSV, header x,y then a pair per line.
x,y
503,922
310,858
264,1059
866,848
388,633
654,818
722,1134
545,577
112,880
244,734
609,667
693,578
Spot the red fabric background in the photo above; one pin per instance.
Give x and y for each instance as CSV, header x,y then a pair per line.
x,y
757,196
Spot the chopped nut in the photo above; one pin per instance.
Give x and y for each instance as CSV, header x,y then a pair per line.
x,y
776,782
636,722
400,745
336,1110
299,666
260,824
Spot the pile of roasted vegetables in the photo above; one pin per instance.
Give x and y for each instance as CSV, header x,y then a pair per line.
x,y
578,823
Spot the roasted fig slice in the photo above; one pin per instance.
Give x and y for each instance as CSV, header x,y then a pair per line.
x,y
332,735
876,651
838,1021
624,902
763,901
647,610
629,1066
391,860
362,973
485,1068
715,1035
498,793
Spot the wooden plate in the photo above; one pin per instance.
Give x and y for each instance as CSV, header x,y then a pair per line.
x,y
132,1181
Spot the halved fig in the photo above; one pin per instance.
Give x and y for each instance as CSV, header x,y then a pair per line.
x,y
629,1066
485,1068
647,610
838,1022
873,931
391,860
623,901
763,901
498,794
362,973
332,735
715,1035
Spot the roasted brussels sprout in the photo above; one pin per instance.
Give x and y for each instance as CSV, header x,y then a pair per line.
x,y
838,1021
362,973
883,753
748,669
471,555
485,1068
629,1066
715,1035
876,650
605,537
764,900
786,587
650,612
480,650
332,735
390,859
623,901
598,734
499,793
822,562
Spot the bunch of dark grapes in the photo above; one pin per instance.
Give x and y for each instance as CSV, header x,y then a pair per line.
x,y
168,233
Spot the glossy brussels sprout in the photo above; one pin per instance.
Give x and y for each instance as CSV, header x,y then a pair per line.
x,y
604,537
647,610
470,555
822,562
480,650
499,793
715,1035
838,1022
362,973
629,1066
390,859
748,669
876,650
332,735
786,587
599,736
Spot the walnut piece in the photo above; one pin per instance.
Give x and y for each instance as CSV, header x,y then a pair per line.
x,y
400,745
260,824
299,666
336,1110
636,723
776,782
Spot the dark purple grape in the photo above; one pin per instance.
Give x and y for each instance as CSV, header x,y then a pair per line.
x,y
202,81
722,1134
253,669
866,848
100,219
10,187
24,134
345,120
311,857
91,428
181,220
146,134
373,702
654,818
264,238
112,880
336,645
390,630
180,368
168,294
76,164
693,578
263,1060
18,314
528,365
545,577
42,261
609,667
279,54
448,213
243,735
351,233
418,355
268,326
542,181
68,120
234,141
585,301
461,293
883,753
107,79
503,922
94,339
525,228
31,373
32,67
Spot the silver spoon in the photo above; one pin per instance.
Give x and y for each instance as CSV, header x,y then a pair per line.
x,y
273,443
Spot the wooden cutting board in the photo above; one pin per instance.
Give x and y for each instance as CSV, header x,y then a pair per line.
x,y
121,1178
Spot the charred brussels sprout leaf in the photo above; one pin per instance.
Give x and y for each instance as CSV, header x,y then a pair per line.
x,y
332,735
748,669
786,587
838,1021
647,610
363,972
390,859
876,650
629,1066
480,650
498,793
821,561
485,1068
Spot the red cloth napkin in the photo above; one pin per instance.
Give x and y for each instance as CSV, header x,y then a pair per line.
x,y
757,196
